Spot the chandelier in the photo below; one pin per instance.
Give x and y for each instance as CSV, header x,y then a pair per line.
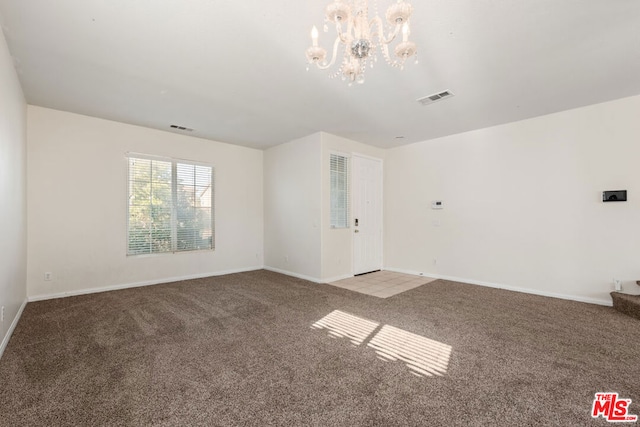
x,y
360,38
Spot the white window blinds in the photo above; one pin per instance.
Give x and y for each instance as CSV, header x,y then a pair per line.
x,y
339,171
170,206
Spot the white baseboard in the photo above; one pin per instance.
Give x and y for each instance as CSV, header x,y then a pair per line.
x,y
309,278
139,284
292,274
299,276
597,301
336,278
414,273
7,337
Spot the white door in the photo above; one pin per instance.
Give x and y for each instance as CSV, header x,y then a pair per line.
x,y
367,214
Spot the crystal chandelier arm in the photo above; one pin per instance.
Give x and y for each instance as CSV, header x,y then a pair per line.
x,y
344,37
377,23
385,54
333,55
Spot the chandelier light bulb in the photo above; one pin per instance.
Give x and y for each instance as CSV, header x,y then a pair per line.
x,y
405,32
314,35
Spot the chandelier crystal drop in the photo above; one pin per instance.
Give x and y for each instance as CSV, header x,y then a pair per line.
x,y
360,39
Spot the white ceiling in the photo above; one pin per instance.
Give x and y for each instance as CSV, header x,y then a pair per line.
x,y
234,70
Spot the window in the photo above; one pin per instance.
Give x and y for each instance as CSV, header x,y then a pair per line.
x,y
170,206
339,167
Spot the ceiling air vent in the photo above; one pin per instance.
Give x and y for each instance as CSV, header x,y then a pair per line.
x,y
430,99
181,128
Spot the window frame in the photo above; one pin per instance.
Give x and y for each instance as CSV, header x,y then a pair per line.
x,y
347,189
174,164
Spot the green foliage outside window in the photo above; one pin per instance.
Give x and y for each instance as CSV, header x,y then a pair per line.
x,y
170,207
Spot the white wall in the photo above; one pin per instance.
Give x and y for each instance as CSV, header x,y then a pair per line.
x,y
77,201
13,210
337,247
292,204
298,236
522,203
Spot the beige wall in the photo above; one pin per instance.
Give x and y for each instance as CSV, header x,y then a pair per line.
x,y
292,204
522,204
78,206
13,210
298,237
337,247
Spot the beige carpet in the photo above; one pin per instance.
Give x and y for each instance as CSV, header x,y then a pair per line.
x,y
627,304
259,348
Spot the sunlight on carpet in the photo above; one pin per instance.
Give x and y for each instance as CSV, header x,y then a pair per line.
x,y
423,356
344,325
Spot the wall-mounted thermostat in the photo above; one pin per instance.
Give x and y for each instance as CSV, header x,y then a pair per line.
x,y
436,204
614,196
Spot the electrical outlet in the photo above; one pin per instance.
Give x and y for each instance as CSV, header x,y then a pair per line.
x,y
617,284
48,276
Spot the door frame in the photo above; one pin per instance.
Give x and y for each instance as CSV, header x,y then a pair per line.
x,y
352,213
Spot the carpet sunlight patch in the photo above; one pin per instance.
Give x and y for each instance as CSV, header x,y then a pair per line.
x,y
423,356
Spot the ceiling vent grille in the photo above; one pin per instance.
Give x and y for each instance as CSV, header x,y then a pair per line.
x,y
430,99
181,128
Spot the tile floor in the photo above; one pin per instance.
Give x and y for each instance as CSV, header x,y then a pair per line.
x,y
382,284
